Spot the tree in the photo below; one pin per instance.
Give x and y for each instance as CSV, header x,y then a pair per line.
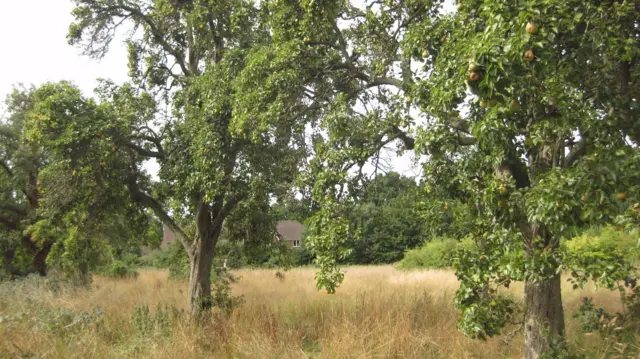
x,y
345,70
526,113
532,107
385,215
46,205
21,161
213,155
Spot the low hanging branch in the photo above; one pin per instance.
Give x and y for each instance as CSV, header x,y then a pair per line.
x,y
150,202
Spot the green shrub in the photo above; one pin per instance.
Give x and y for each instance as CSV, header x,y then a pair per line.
x,y
232,252
301,256
433,254
119,269
605,241
606,255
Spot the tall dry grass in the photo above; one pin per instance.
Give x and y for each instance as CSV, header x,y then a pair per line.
x,y
378,312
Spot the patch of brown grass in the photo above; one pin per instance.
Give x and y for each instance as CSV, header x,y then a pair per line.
x,y
378,312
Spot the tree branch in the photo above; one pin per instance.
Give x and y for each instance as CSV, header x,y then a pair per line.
x,y
385,81
6,168
226,209
578,151
144,151
8,223
459,124
153,28
151,203
408,141
13,208
466,140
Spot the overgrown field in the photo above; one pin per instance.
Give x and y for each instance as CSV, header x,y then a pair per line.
x,y
379,312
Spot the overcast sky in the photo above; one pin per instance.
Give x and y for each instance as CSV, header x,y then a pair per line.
x,y
33,41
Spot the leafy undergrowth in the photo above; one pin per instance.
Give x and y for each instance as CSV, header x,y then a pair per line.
x,y
378,312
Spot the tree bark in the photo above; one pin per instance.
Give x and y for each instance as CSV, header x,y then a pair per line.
x,y
40,258
203,251
200,277
544,317
7,261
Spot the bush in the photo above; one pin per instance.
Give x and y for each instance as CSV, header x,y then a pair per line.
x,y
119,269
606,255
232,252
603,242
301,256
433,254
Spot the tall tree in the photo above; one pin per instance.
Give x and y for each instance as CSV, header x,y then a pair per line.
x,y
212,154
525,109
21,161
345,72
533,106
47,206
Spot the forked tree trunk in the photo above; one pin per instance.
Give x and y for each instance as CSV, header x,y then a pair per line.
x,y
544,317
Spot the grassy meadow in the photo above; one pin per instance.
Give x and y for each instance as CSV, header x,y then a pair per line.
x,y
379,312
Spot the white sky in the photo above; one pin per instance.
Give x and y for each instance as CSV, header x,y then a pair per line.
x,y
33,37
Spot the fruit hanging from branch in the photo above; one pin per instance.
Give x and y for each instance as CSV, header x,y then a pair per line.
x,y
474,76
514,106
528,56
531,28
473,66
621,196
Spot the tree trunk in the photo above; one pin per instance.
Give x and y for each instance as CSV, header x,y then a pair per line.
x,y
203,251
200,277
7,261
40,258
544,317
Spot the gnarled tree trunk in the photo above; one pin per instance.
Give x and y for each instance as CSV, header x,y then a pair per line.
x,y
203,252
200,276
544,317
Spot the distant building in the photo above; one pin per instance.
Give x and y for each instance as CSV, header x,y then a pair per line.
x,y
291,233
167,237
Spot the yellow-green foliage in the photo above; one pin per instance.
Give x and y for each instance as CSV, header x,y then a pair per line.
x,y
433,254
603,243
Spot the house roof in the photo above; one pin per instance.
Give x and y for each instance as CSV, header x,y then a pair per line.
x,y
290,230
